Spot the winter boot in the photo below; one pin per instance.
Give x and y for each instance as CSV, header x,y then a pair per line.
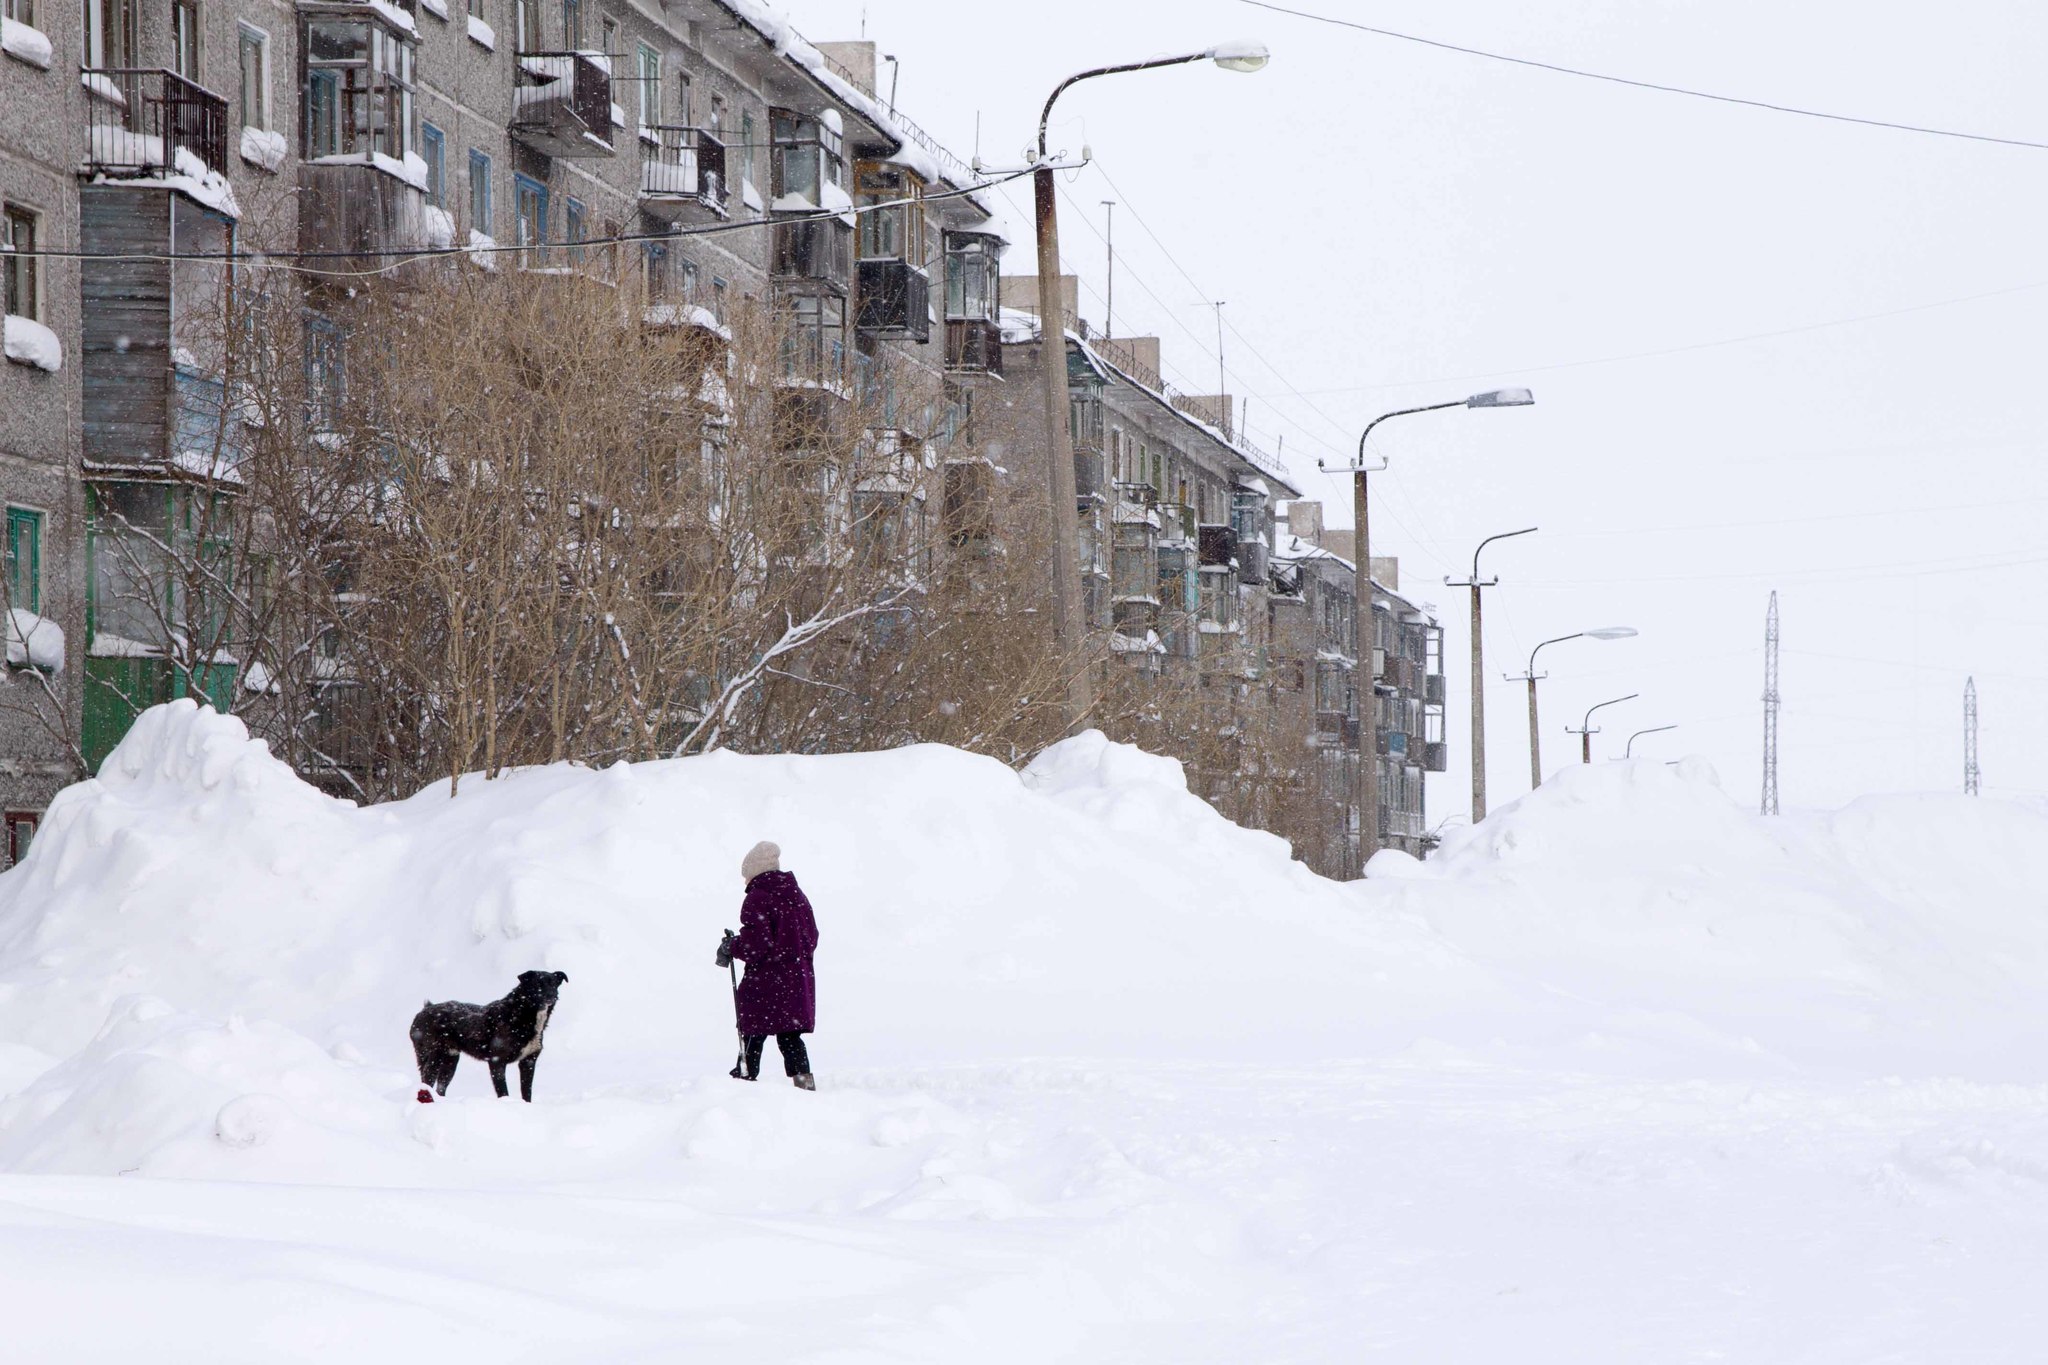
x,y
804,1082
740,1075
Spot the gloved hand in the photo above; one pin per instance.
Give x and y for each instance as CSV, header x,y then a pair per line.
x,y
725,950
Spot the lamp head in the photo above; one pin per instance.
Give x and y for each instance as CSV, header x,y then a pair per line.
x,y
1611,633
1501,398
1239,56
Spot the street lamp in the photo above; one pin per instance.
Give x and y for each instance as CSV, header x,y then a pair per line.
x,y
1628,750
1535,740
1361,607
1479,669
1585,732
1066,589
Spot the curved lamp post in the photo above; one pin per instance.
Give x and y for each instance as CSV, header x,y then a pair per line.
x,y
1052,324
1479,673
1585,732
1530,677
1361,606
1628,750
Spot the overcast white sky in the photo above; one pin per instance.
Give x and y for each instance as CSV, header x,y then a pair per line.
x,y
1391,224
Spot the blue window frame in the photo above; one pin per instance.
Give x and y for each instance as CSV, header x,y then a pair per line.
x,y
479,192
572,228
530,220
434,147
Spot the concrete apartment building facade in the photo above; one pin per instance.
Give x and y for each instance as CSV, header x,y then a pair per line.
x,y
708,154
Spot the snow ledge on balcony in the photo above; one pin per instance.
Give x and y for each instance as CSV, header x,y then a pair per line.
x,y
30,343
27,43
482,34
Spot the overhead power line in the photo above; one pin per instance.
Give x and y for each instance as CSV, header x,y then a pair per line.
x,y
1561,70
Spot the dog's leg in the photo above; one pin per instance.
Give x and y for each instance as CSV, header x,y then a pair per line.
x,y
498,1080
526,1065
444,1072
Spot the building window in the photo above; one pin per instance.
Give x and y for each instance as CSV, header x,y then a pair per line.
x,y
20,11
526,25
479,192
110,28
814,338
24,559
650,88
185,29
654,271
689,281
255,76
572,25
21,831
719,289
476,9
326,380
530,220
804,155
746,151
434,148
683,105
572,229
611,37
18,238
359,89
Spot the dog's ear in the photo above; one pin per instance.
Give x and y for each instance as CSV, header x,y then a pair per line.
x,y
561,978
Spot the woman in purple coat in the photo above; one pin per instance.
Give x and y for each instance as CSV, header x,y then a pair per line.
x,y
779,994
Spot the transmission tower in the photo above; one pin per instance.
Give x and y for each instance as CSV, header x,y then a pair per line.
x,y
1771,707
1970,737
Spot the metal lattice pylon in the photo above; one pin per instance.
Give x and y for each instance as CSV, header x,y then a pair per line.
x,y
1771,707
1970,737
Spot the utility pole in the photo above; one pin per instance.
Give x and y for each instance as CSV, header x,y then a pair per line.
x,y
1585,732
1479,673
1067,620
1362,612
1771,707
1222,386
1367,686
1970,737
1109,249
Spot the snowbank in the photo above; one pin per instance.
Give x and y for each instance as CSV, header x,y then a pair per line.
x,y
207,967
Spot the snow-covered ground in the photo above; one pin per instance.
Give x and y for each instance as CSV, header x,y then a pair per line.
x,y
1625,1074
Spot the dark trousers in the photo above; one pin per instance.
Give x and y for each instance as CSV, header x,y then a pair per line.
x,y
795,1061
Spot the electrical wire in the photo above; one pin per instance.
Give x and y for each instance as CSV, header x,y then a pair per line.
x,y
1631,81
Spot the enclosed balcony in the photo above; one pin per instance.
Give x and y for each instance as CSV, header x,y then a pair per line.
x,y
819,249
895,301
151,124
974,334
562,106
682,174
360,182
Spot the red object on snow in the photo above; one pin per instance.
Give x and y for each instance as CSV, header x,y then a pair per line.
x,y
426,1095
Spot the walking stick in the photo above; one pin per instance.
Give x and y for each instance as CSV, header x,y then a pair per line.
x,y
739,1068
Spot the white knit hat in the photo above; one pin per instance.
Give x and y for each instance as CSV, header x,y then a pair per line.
x,y
762,857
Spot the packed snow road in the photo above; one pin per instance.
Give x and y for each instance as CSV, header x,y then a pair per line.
x,y
1625,1074
1428,1210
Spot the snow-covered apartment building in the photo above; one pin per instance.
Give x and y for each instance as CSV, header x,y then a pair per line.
x,y
139,138
134,131
1191,565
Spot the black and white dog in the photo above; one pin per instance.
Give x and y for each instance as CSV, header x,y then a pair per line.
x,y
496,1034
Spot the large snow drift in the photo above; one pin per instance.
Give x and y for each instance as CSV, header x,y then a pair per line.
x,y
202,954
1624,1069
